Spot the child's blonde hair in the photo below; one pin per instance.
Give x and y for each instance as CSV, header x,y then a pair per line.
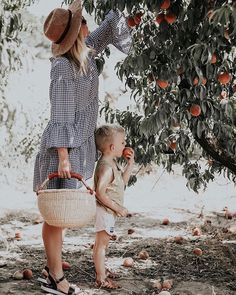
x,y
105,134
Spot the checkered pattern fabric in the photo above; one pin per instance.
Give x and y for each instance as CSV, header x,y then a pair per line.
x,y
74,107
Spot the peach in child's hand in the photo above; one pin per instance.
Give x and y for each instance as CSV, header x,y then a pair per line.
x,y
127,152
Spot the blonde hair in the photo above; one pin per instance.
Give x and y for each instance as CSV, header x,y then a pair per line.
x,y
79,53
104,135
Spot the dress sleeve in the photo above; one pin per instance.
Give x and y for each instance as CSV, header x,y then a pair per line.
x,y
61,130
113,30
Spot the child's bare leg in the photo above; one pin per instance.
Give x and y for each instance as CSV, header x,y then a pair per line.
x,y
99,251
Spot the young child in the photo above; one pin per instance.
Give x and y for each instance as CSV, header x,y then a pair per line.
x,y
109,183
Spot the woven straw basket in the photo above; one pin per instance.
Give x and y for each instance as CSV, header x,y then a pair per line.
x,y
66,207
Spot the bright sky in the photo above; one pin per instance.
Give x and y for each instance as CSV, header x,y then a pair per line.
x,y
43,7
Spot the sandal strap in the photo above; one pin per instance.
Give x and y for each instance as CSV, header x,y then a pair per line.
x,y
60,280
71,291
53,285
52,281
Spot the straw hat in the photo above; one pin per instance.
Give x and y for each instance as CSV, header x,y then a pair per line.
x,y
62,27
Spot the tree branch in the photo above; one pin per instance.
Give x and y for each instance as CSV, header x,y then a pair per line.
x,y
226,161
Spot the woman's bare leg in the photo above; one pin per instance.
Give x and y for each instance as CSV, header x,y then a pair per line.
x,y
52,238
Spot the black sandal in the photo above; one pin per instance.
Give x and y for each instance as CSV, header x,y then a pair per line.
x,y
45,273
52,287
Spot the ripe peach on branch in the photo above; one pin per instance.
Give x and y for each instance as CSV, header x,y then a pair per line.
x,y
224,78
165,4
162,83
170,18
195,110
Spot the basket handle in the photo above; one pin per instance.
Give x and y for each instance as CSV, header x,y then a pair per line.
x,y
73,175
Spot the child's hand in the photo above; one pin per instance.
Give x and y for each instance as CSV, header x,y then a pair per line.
x,y
128,154
122,212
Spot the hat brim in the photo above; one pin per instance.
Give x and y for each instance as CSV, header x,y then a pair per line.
x,y
72,34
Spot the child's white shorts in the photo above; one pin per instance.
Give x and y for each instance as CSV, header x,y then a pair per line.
x,y
104,221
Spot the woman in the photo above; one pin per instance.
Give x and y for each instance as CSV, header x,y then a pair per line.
x,y
68,143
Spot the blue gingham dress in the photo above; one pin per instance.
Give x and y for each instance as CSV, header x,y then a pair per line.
x,y
74,107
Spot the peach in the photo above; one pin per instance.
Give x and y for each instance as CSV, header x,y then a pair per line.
x,y
65,265
224,78
196,231
167,284
131,231
179,240
165,4
128,262
27,274
143,255
197,251
195,110
165,221
127,152
18,275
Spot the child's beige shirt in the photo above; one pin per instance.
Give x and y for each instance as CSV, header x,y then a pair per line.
x,y
115,190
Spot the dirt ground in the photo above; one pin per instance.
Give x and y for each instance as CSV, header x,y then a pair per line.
x,y
213,273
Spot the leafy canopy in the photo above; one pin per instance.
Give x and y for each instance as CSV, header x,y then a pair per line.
x,y
181,71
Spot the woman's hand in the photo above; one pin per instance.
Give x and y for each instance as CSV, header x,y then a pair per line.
x,y
64,163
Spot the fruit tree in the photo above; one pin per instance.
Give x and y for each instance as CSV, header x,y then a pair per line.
x,y
181,72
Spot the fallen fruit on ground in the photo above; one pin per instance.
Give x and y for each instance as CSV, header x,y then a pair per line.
x,y
143,255
27,274
128,262
131,231
229,215
18,275
18,235
167,284
197,251
165,221
65,265
157,284
179,240
196,231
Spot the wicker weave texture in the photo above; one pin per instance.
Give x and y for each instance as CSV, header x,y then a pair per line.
x,y
66,207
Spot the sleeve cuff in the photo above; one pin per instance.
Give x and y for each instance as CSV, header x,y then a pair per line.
x,y
62,135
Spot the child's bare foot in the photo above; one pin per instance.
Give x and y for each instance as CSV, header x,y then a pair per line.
x,y
107,284
111,274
